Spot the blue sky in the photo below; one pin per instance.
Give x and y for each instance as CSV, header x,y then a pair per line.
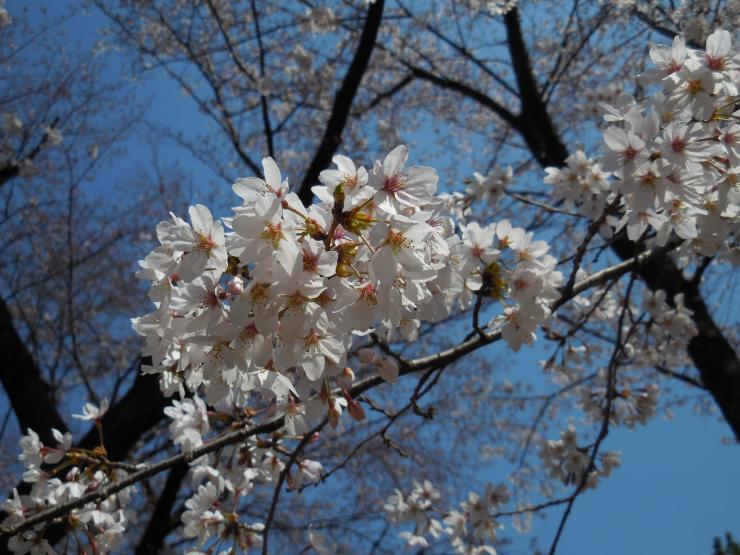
x,y
677,488
678,485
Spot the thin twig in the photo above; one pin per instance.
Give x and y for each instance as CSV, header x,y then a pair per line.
x,y
281,479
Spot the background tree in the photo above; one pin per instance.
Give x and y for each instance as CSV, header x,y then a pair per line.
x,y
68,237
482,81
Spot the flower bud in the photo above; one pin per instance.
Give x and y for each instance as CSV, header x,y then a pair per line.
x,y
357,222
335,412
345,379
356,411
353,407
388,369
367,356
343,270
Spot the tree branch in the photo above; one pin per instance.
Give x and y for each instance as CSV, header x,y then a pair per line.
x,y
534,122
11,169
159,523
29,394
430,362
343,102
467,91
710,351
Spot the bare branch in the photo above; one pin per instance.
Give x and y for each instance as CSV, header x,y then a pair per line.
x,y
343,101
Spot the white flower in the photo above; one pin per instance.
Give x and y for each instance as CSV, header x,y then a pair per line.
x,y
400,187
266,236
249,188
53,136
92,412
346,183
203,245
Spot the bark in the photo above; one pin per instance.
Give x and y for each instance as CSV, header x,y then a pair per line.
x,y
125,422
343,102
160,523
29,394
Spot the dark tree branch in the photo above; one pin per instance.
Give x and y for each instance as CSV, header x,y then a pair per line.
x,y
679,376
467,91
710,351
385,95
343,101
125,422
29,394
12,169
463,51
263,99
534,122
159,524
659,28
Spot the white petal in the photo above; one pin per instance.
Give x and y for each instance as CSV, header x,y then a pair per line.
x,y
201,218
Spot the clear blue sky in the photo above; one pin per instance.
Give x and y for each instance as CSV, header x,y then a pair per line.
x,y
679,484
677,488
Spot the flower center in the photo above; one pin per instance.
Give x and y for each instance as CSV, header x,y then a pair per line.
x,y
204,243
694,86
716,64
249,332
629,152
397,241
394,183
309,262
368,294
259,293
272,234
672,67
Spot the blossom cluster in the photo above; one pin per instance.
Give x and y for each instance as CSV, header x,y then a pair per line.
x,y
567,461
269,300
63,473
219,485
488,189
581,184
664,333
470,529
676,154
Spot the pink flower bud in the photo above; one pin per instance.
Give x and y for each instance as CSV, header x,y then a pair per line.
x,y
355,410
